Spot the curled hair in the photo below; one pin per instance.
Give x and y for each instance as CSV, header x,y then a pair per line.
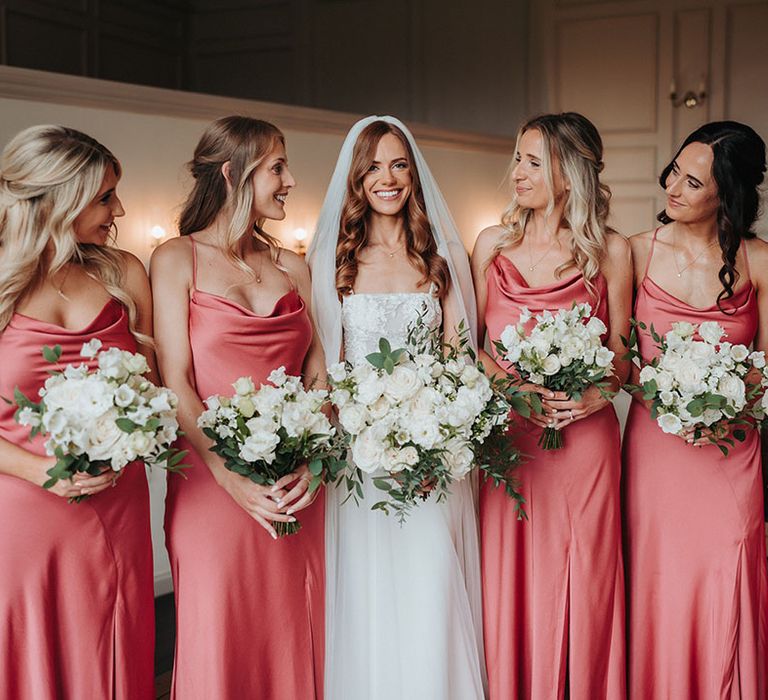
x,y
573,142
48,175
421,247
244,143
738,168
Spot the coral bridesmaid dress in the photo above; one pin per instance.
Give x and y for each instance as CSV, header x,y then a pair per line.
x,y
696,567
553,586
76,598
249,609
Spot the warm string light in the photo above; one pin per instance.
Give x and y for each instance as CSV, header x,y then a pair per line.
x,y
300,236
156,235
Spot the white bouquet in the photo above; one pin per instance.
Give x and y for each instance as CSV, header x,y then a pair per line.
x,y
563,351
108,416
420,420
698,382
264,434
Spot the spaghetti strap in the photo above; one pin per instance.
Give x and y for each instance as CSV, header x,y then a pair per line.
x,y
650,253
746,260
285,272
194,264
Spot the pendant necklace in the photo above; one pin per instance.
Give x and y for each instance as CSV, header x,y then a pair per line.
x,y
533,265
681,270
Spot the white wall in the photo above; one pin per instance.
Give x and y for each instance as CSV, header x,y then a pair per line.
x,y
153,147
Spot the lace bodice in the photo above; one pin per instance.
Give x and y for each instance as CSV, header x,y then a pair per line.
x,y
367,317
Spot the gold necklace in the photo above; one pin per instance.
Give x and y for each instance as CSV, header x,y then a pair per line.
x,y
681,270
392,252
532,266
60,288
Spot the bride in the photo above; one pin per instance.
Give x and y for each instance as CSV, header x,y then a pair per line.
x,y
403,602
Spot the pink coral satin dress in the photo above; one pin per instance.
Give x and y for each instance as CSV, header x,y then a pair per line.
x,y
696,559
553,585
76,598
249,609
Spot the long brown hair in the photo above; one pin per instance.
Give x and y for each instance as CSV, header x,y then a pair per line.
x,y
244,142
420,247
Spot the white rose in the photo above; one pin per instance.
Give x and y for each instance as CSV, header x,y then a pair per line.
x,y
140,443
111,363
369,390
259,447
740,353
104,436
458,457
245,406
711,332
647,373
711,416
682,329
294,419
603,357
757,358
368,451
689,378
733,389
206,419
470,375
379,408
551,365
352,418
402,384
135,363
664,380
340,397
243,386
669,423
595,327
426,433
410,456
701,353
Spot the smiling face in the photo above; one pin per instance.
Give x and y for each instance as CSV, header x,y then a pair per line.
x,y
93,224
271,183
530,180
690,186
388,182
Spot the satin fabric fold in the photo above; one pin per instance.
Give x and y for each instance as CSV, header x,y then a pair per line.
x,y
553,586
250,610
696,559
76,582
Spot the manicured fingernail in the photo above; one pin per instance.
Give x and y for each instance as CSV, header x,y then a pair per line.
x,y
279,502
292,520
274,535
274,488
289,511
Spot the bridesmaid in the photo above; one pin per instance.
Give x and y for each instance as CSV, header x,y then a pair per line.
x,y
553,586
230,303
698,592
76,596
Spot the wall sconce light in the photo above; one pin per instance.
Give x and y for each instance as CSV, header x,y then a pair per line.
x,y
156,236
300,235
690,98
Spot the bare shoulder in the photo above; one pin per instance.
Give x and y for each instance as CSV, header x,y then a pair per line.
x,y
641,244
173,255
294,264
617,246
486,241
757,250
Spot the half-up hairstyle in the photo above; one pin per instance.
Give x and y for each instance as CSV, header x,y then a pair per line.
x,y
244,142
573,142
48,175
420,247
738,168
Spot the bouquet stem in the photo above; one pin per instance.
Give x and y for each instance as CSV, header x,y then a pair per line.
x,y
282,529
550,439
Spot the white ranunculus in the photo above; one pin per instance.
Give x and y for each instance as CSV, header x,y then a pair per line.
x,y
402,384
711,332
426,433
669,423
368,451
243,386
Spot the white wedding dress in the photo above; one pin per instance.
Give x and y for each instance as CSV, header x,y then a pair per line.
x,y
403,602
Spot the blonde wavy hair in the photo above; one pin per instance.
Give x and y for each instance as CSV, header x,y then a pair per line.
x,y
244,142
421,247
48,175
573,142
